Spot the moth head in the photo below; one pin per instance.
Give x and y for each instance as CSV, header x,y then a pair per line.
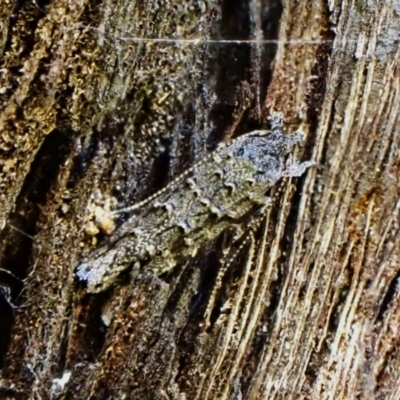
x,y
266,154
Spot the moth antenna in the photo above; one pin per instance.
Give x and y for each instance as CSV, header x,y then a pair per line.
x,y
246,237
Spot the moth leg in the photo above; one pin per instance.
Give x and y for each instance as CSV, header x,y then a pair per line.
x,y
259,197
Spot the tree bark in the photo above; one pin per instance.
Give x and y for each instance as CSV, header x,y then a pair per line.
x,y
102,103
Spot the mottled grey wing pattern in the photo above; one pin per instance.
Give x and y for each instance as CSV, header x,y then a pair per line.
x,y
196,207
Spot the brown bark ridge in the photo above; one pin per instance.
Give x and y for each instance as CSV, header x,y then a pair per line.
x,y
96,111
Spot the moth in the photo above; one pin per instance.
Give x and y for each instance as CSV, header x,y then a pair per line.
x,y
173,224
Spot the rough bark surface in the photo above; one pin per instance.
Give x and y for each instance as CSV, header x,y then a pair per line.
x,y
95,111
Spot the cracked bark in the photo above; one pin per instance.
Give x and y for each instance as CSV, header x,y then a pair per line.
x,y
87,115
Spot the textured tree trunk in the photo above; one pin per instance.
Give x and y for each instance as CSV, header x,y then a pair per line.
x,y
102,103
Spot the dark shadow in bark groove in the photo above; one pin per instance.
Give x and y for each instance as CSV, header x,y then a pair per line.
x,y
234,64
16,239
229,63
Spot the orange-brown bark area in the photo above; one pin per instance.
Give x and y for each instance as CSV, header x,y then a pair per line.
x,y
102,103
